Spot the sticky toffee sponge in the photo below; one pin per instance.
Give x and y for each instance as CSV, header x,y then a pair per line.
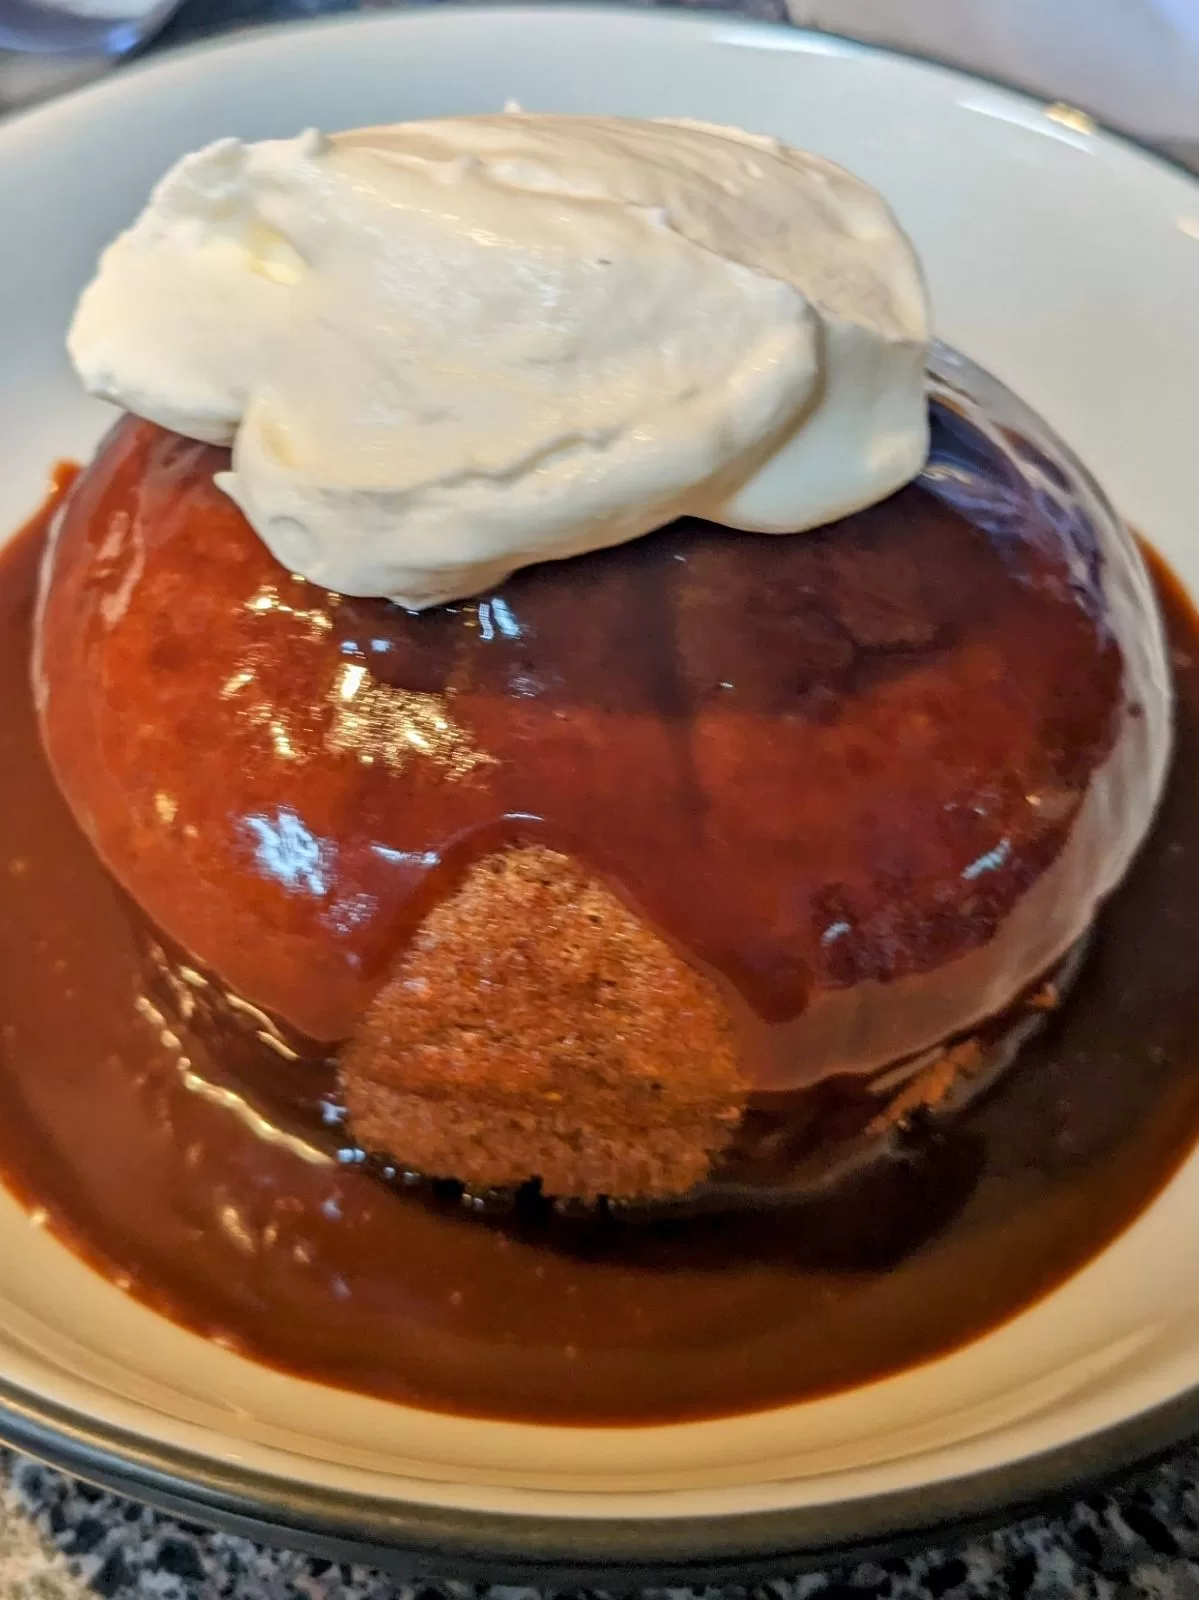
x,y
571,875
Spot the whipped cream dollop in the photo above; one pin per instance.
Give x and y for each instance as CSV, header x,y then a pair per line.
x,y
443,350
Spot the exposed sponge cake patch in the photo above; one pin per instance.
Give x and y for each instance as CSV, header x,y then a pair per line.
x,y
536,1028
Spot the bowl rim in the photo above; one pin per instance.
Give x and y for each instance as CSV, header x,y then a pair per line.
x,y
619,1554
411,1539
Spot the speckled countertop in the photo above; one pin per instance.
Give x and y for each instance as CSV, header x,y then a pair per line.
x,y
61,1540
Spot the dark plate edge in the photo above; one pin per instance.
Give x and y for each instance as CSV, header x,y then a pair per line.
x,y
416,1540
413,1540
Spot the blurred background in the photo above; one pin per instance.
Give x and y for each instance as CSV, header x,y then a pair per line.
x,y
1133,64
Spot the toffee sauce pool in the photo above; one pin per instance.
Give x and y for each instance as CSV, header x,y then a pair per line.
x,y
316,1268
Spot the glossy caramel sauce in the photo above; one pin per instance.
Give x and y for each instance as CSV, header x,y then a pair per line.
x,y
126,1134
872,780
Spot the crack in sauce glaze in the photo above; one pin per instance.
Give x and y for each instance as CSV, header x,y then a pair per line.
x,y
120,1129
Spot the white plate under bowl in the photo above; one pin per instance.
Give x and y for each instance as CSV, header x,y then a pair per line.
x,y
1065,261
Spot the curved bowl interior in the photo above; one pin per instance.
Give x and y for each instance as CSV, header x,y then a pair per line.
x,y
1064,261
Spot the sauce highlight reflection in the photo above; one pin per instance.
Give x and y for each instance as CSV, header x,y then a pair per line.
x,y
125,1132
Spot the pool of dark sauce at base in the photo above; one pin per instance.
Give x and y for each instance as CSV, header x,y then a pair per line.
x,y
318,1269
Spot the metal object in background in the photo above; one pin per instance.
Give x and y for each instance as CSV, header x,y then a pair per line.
x,y
104,28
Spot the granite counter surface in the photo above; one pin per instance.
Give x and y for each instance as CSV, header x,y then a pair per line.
x,y
61,1540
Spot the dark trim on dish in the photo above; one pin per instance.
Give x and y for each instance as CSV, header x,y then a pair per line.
x,y
614,1554
618,1555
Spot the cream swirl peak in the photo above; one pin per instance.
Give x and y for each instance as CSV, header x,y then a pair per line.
x,y
444,350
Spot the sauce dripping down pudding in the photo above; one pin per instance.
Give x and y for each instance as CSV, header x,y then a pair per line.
x,y
583,867
147,1160
310,1264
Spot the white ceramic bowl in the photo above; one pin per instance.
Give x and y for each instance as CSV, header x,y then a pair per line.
x,y
1065,261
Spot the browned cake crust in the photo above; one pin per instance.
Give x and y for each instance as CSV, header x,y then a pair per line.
x,y
535,1027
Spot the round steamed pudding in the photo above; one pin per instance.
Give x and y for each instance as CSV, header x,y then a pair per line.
x,y
572,875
